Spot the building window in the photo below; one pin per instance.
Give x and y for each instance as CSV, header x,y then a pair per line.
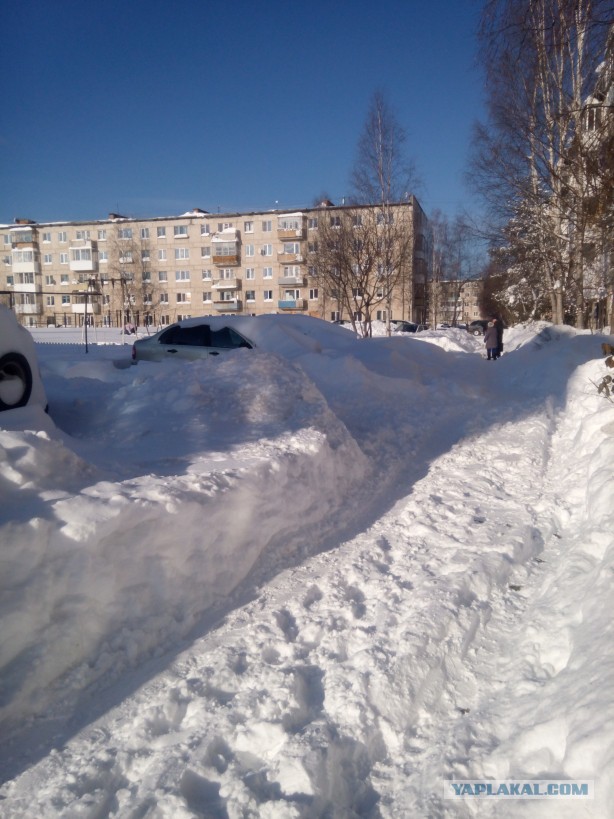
x,y
50,301
102,235
182,253
313,294
182,275
266,250
49,280
207,275
161,232
162,255
249,250
63,258
250,273
63,278
145,255
163,298
312,223
144,233
162,276
165,320
47,258
292,248
103,256
126,257
147,275
224,226
62,236
207,297
250,295
268,295
180,231
267,273
204,230
248,227
46,237
267,226
65,299
82,254
124,233
335,221
83,235
205,252
182,298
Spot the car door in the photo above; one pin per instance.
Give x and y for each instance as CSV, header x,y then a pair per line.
x,y
186,342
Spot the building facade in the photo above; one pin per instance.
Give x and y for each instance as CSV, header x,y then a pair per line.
x,y
455,301
160,270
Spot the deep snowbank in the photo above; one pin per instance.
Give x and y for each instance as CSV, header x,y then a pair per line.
x,y
459,628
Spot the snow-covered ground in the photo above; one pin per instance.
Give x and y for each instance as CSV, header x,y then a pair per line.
x,y
314,579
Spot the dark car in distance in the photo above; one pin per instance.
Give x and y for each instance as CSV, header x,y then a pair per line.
x,y
402,326
477,327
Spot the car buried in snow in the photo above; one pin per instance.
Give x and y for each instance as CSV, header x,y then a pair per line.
x,y
20,381
190,339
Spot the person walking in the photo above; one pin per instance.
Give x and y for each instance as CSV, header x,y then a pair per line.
x,y
498,322
490,340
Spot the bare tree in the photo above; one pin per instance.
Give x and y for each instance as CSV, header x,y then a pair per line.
x,y
132,295
540,58
365,253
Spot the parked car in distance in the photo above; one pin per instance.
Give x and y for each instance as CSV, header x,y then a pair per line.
x,y
20,381
477,327
402,326
190,340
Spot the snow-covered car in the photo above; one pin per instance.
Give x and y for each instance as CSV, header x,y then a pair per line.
x,y
20,381
190,339
477,327
402,326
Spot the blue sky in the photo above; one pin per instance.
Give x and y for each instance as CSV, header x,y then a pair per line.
x,y
153,108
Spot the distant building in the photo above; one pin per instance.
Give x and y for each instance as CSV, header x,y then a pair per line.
x,y
156,271
455,301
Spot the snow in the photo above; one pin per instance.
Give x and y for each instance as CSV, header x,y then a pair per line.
x,y
316,578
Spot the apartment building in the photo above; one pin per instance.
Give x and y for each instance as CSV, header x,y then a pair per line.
x,y
455,301
160,270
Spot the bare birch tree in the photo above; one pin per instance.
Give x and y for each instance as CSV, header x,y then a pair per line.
x,y
365,253
540,58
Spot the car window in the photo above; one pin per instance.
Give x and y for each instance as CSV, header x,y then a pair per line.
x,y
227,337
195,336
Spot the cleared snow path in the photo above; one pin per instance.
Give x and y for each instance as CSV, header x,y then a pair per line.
x,y
431,645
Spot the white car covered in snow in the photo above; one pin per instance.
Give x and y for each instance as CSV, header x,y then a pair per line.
x,y
20,381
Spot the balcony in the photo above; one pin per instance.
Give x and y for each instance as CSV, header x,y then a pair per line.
x,y
225,248
293,281
25,261
28,309
288,234
290,227
28,287
93,308
226,284
23,236
83,257
228,305
291,304
290,258
225,260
